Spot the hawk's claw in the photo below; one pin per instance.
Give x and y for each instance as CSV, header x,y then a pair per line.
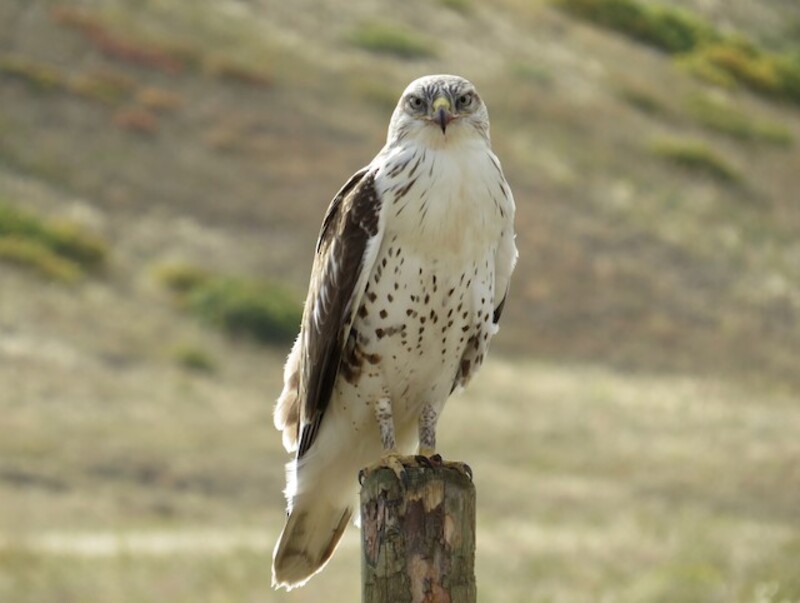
x,y
391,461
424,461
398,464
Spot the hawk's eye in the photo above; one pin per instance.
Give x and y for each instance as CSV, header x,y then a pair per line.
x,y
416,103
464,101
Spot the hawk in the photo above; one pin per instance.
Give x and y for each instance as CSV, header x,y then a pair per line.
x,y
410,275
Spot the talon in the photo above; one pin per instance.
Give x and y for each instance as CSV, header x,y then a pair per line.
x,y
362,474
424,461
393,462
468,471
437,458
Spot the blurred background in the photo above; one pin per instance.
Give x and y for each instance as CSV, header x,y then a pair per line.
x,y
164,169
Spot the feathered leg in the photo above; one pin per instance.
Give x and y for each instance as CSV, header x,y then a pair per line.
x,y
390,458
427,430
427,441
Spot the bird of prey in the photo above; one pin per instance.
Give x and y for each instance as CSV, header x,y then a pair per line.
x,y
410,275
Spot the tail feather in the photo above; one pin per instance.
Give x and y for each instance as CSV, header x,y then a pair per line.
x,y
312,532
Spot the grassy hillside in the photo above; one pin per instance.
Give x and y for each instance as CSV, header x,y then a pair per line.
x,y
656,215
651,342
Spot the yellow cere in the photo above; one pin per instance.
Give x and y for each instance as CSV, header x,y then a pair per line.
x,y
441,103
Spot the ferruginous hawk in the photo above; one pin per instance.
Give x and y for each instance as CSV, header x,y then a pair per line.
x,y
410,275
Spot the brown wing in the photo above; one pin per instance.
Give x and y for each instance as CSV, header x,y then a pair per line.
x,y
350,224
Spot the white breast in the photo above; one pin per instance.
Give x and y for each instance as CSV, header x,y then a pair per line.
x,y
452,212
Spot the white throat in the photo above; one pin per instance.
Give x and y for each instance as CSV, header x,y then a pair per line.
x,y
446,199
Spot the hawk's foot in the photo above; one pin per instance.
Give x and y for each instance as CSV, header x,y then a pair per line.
x,y
390,460
460,467
430,459
424,461
399,463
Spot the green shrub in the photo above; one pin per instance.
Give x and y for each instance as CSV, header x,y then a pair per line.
x,y
193,358
642,99
104,86
71,241
533,73
461,6
390,39
61,238
676,30
671,29
719,116
181,278
37,257
721,59
37,75
788,69
697,65
242,307
738,61
258,310
745,63
695,156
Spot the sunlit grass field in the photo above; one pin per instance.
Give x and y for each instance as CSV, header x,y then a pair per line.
x,y
592,486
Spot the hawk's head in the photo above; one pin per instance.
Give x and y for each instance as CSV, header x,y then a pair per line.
x,y
437,109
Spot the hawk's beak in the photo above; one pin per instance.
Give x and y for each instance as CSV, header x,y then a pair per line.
x,y
443,112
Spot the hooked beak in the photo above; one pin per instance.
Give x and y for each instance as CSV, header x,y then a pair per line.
x,y
442,111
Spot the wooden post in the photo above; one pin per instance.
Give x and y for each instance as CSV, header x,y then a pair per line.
x,y
418,536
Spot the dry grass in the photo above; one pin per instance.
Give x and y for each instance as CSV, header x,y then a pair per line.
x,y
104,85
631,489
159,100
136,119
115,44
239,72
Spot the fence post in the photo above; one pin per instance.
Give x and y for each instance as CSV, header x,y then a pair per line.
x,y
418,536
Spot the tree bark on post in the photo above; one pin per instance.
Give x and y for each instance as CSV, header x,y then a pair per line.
x,y
418,536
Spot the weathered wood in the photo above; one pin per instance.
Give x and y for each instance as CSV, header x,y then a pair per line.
x,y
418,536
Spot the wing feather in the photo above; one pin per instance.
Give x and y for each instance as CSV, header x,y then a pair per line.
x,y
505,260
341,267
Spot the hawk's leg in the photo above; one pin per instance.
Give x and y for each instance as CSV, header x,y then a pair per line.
x,y
427,442
383,413
390,458
427,430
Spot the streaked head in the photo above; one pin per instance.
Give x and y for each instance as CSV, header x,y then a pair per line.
x,y
437,109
